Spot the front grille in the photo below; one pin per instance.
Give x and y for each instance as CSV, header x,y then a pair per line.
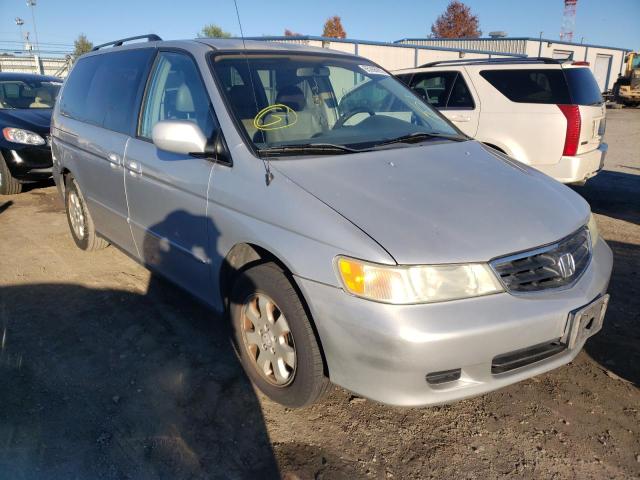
x,y
553,266
526,356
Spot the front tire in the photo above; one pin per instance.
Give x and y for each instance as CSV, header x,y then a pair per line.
x,y
8,184
274,337
80,222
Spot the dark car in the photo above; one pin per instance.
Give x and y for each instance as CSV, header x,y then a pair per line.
x,y
26,102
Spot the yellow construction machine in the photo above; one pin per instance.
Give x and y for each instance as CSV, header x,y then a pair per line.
x,y
626,90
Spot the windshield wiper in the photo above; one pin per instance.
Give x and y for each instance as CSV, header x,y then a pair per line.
x,y
307,149
417,137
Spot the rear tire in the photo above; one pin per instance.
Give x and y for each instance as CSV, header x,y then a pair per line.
x,y
274,338
80,222
8,184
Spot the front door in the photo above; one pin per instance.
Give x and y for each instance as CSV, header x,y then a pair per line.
x,y
167,192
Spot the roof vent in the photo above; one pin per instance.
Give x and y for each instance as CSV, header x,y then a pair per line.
x,y
499,34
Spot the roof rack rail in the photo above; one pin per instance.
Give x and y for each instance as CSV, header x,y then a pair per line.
x,y
151,37
492,60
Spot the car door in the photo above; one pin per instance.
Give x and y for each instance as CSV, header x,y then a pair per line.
x,y
99,112
451,94
167,192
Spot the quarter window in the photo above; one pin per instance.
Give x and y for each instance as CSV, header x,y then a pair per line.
x,y
530,86
176,92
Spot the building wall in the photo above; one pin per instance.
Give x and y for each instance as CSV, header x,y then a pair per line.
x,y
34,64
388,55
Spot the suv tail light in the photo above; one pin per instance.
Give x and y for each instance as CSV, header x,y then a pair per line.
x,y
580,62
572,138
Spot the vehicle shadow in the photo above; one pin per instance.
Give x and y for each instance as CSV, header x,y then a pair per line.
x,y
117,384
27,187
617,346
5,205
613,194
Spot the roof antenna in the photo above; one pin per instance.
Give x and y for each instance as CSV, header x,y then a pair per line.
x,y
268,176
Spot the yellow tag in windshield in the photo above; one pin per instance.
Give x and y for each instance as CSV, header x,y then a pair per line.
x,y
275,117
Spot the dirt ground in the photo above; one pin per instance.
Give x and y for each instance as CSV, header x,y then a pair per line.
x,y
107,372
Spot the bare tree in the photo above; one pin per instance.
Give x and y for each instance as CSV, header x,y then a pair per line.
x,y
457,21
290,33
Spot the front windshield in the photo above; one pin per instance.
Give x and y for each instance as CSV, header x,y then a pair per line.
x,y
28,94
301,100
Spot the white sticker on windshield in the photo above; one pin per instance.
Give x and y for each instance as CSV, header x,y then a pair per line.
x,y
373,70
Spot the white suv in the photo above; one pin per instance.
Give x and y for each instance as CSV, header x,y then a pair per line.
x,y
540,111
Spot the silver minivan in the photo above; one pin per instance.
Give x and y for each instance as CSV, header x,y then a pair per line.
x,y
350,235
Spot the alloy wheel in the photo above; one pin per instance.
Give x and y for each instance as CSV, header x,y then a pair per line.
x,y
268,340
76,215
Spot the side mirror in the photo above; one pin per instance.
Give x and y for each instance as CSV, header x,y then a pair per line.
x,y
179,136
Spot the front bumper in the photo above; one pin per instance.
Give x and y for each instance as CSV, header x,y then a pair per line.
x,y
578,168
28,163
384,352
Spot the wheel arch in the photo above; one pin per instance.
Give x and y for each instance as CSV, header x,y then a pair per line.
x,y
65,175
245,255
239,258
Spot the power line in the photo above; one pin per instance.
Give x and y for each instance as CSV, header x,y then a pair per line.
x,y
51,44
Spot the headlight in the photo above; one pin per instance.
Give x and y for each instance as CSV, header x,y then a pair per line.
x,y
18,135
593,230
416,284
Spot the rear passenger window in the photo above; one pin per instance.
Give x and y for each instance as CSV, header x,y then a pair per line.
x,y
444,90
460,95
176,92
405,78
530,86
102,89
434,87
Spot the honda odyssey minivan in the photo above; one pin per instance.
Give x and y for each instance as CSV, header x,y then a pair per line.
x,y
361,240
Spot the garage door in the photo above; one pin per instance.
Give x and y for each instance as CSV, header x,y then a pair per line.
x,y
601,70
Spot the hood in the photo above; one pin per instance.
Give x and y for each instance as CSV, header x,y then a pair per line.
x,y
450,202
37,120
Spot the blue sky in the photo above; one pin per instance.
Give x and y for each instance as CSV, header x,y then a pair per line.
x,y
612,23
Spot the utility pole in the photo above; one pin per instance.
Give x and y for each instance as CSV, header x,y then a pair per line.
x,y
32,3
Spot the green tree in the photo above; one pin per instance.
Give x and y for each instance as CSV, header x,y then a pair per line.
x,y
333,28
457,21
81,45
213,31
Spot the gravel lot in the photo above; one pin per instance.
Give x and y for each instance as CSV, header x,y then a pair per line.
x,y
108,372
